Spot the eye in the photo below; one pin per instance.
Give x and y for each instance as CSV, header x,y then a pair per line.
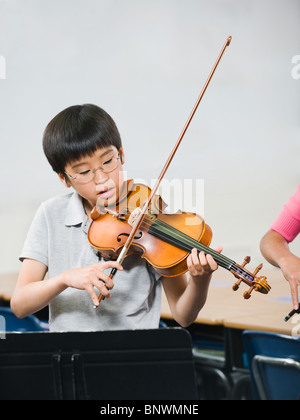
x,y
108,162
84,172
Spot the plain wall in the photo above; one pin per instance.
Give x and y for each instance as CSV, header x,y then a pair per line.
x,y
145,62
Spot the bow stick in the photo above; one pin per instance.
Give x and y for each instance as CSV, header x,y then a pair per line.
x,y
146,206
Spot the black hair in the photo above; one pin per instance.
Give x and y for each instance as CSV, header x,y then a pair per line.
x,y
76,132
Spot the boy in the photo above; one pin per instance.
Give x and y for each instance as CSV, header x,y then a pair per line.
x,y
83,146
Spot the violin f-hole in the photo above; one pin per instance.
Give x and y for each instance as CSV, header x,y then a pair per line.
x,y
119,239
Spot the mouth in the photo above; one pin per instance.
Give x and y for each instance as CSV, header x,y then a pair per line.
x,y
106,192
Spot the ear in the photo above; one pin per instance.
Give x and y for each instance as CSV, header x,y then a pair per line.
x,y
64,180
122,155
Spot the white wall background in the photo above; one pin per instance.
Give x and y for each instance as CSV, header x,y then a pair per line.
x,y
145,62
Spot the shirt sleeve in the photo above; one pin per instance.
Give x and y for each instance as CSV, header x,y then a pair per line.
x,y
36,242
287,222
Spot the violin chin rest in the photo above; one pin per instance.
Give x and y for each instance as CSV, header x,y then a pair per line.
x,y
95,213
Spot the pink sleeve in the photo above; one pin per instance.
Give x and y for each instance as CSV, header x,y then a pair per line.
x,y
288,221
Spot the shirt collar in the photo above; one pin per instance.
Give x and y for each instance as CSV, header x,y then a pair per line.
x,y
75,214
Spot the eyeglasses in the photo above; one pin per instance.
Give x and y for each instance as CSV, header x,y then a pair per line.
x,y
88,175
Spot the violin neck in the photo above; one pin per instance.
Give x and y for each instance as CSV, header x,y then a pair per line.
x,y
173,236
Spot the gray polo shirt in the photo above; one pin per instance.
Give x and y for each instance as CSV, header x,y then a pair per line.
x,y
58,238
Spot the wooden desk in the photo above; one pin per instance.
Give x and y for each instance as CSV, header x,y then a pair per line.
x,y
228,308
224,306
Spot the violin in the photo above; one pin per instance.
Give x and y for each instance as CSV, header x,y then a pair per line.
x,y
164,240
138,224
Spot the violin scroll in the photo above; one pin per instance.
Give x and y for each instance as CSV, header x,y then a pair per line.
x,y
258,284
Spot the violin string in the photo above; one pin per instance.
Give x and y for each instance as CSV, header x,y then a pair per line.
x,y
173,232
222,260
147,223
180,236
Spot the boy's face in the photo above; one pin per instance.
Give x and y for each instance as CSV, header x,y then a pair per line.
x,y
101,174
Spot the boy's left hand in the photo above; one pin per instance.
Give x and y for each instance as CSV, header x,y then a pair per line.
x,y
200,265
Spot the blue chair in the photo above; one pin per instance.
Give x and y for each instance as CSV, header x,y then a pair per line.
x,y
274,362
10,323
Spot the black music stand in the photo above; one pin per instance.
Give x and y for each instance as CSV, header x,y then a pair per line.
x,y
110,365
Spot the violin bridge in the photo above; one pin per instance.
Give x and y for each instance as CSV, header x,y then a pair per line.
x,y
134,216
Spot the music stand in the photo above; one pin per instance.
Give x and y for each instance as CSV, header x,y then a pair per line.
x,y
109,365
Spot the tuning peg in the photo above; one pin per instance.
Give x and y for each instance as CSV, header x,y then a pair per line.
x,y
247,294
256,286
257,269
236,285
246,261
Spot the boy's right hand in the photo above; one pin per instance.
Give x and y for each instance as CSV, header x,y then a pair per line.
x,y
86,278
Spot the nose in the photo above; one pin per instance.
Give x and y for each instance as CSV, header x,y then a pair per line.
x,y
99,176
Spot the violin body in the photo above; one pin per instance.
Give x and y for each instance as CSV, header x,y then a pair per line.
x,y
109,234
164,240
